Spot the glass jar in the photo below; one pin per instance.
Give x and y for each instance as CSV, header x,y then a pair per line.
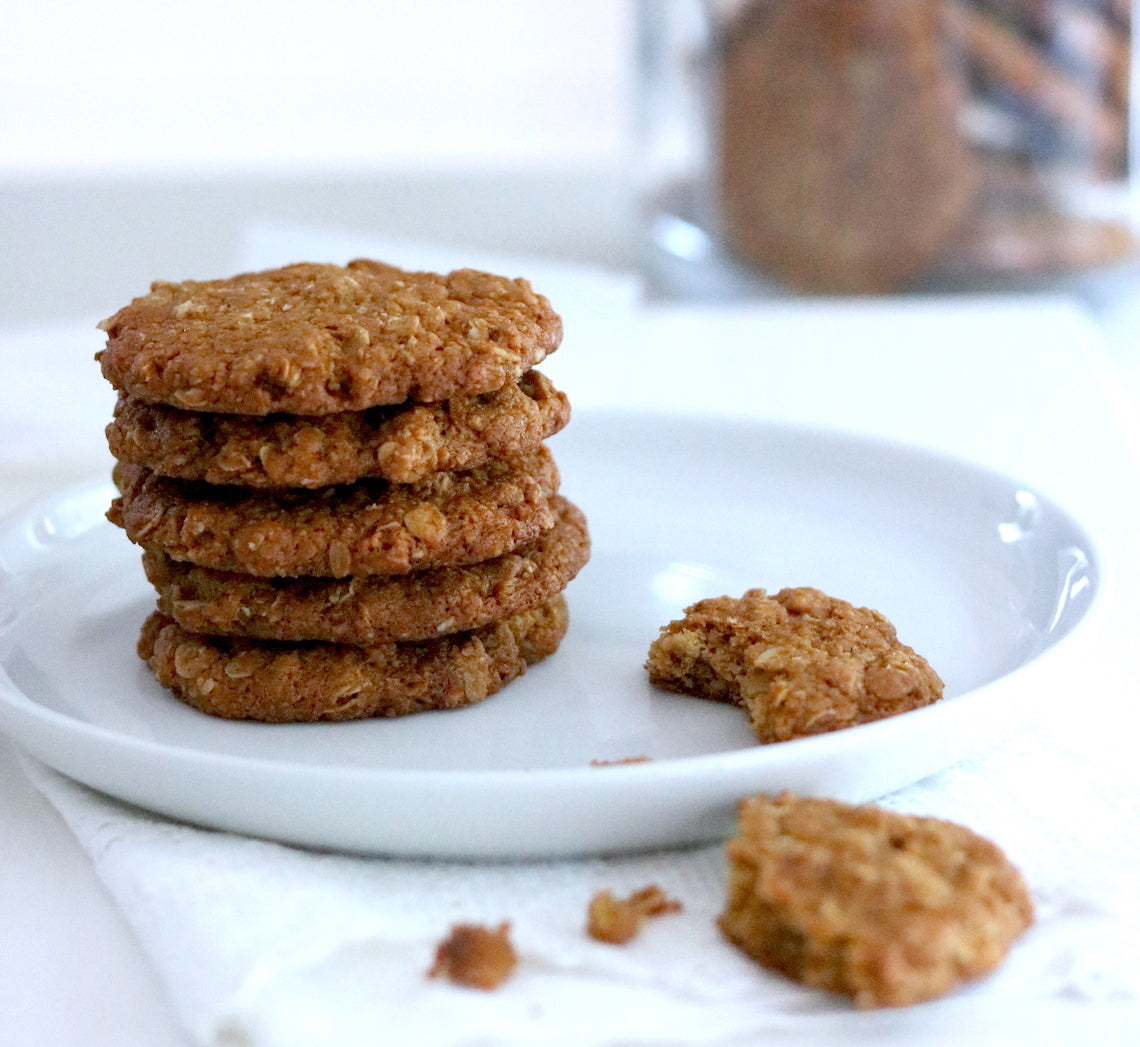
x,y
884,146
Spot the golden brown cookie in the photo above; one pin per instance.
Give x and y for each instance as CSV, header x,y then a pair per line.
x,y
842,168
890,909
402,444
245,679
321,339
370,527
799,662
378,608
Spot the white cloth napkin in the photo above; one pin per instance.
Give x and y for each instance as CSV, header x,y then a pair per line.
x,y
263,945
267,945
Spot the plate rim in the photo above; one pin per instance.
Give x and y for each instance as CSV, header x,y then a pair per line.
x,y
15,705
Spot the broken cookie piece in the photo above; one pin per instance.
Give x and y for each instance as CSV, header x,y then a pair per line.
x,y
800,662
887,908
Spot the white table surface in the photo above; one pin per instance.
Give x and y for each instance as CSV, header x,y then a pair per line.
x,y
70,971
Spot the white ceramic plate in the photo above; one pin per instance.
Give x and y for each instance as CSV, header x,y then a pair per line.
x,y
982,575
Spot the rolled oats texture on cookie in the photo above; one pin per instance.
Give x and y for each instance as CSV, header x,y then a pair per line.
x,y
275,682
402,443
799,662
320,339
887,908
372,609
370,527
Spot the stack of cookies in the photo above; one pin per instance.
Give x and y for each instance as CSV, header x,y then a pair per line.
x,y
340,483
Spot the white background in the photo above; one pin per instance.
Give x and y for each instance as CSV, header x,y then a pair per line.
x,y
132,85
139,139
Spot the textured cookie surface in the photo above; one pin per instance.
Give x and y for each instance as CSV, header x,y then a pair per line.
x,y
799,662
293,683
373,609
890,909
370,527
320,339
402,444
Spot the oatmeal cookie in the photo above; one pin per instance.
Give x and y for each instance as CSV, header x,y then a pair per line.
x,y
373,609
799,662
842,167
890,909
402,444
322,339
275,682
370,527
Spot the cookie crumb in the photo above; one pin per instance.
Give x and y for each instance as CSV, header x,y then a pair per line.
x,y
475,956
890,909
621,761
619,920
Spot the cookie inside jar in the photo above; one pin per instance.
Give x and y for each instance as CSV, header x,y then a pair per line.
x,y
883,146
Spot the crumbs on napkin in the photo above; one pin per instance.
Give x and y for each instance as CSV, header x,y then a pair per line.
x,y
475,956
619,920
